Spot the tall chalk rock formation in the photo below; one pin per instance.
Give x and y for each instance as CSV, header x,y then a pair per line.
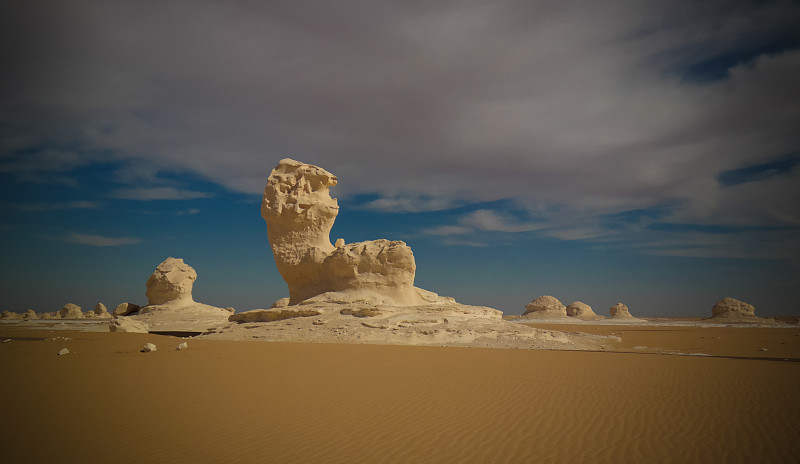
x,y
300,213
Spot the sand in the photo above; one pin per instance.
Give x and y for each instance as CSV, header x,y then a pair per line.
x,y
241,401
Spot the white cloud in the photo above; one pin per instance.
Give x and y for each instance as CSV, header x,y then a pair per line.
x,y
484,219
587,106
100,241
82,204
157,193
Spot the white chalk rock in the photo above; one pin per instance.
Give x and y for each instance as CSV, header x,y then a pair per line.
x,y
299,213
100,310
126,324
620,311
545,306
730,307
172,281
148,347
30,314
581,310
182,346
70,311
10,315
125,309
63,351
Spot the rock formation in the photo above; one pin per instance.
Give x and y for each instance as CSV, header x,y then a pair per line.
x,y
30,314
620,311
170,304
545,307
171,282
299,213
100,310
730,307
70,311
124,309
10,315
127,324
581,310
730,310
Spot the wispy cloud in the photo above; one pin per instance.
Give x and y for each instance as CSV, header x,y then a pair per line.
x,y
188,212
158,193
100,241
57,206
484,220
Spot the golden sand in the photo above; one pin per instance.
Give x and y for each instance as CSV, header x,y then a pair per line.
x,y
226,401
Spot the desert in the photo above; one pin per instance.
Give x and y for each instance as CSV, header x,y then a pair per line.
x,y
359,365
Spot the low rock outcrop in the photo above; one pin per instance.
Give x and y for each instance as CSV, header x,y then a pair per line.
x,y
127,324
10,315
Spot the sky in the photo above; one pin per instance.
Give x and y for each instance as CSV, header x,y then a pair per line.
x,y
644,152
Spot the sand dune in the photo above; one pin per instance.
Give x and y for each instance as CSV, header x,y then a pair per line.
x,y
226,401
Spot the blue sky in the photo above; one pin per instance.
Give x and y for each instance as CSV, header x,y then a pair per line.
x,y
643,152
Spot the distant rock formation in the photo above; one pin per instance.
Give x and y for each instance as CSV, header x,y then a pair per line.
x,y
171,282
30,314
620,311
545,307
100,311
70,311
299,213
10,315
582,311
730,307
732,311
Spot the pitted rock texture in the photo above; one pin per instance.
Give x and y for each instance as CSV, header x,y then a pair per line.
x,y
172,281
299,213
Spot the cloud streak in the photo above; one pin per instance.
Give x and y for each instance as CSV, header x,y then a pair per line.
x,y
99,240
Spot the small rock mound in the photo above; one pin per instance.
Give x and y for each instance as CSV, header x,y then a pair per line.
x,y
70,311
732,308
620,311
30,314
149,347
581,310
545,307
10,315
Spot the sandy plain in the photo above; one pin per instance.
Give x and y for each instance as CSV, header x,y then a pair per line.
x,y
661,394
